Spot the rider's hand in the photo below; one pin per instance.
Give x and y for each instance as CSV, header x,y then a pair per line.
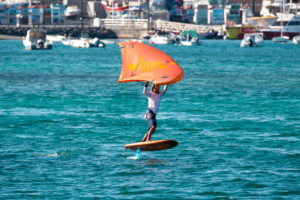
x,y
146,84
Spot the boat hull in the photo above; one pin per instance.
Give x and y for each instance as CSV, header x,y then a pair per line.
x,y
296,40
54,38
65,41
280,39
239,32
247,44
33,46
269,35
189,43
161,40
80,44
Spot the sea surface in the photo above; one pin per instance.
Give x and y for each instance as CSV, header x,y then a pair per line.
x,y
64,121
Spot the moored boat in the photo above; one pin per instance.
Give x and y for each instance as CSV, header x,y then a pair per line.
x,y
84,42
287,23
66,41
36,39
95,42
281,39
55,38
252,25
296,39
80,43
189,38
161,38
253,40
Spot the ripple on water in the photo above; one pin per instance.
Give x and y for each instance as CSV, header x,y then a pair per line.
x,y
64,120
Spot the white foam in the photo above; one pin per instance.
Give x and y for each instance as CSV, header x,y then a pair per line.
x,y
133,157
53,155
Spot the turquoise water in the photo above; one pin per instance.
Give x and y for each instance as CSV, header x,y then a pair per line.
x,y
64,120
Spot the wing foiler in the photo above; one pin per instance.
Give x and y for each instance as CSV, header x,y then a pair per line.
x,y
141,62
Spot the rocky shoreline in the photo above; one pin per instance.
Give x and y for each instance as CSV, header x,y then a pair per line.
x,y
101,33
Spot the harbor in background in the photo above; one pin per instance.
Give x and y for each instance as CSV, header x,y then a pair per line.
x,y
132,19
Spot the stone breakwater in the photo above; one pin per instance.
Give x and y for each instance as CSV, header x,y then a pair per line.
x,y
68,31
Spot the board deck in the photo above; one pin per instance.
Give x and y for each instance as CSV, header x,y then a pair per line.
x,y
152,145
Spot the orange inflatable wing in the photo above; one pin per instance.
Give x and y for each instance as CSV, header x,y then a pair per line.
x,y
141,62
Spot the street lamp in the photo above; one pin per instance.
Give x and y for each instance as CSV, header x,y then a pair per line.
x,y
148,15
253,7
81,14
43,12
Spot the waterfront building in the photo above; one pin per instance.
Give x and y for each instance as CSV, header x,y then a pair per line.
x,y
57,14
11,12
2,14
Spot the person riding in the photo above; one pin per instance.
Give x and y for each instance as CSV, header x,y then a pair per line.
x,y
154,98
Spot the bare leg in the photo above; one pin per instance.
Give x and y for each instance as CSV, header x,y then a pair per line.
x,y
150,133
145,137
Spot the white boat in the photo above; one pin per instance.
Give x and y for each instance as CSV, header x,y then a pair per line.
x,y
110,41
84,42
283,39
72,12
66,41
141,41
55,38
189,38
148,35
191,42
286,23
36,39
80,43
296,39
253,40
161,38
93,42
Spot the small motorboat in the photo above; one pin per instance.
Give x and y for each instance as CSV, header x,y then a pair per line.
x,y
55,38
36,39
190,42
148,35
253,40
208,35
161,37
66,41
80,43
189,38
85,42
93,42
296,39
283,39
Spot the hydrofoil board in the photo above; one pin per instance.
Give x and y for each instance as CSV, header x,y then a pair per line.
x,y
152,145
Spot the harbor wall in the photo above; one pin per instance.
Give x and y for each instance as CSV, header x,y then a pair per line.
x,y
130,33
101,33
